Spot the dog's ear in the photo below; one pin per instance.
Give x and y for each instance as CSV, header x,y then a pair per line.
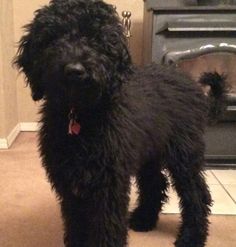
x,y
112,35
125,58
25,61
116,45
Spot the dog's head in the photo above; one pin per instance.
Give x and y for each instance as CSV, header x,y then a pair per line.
x,y
77,47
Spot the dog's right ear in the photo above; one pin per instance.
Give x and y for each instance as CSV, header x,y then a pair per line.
x,y
25,61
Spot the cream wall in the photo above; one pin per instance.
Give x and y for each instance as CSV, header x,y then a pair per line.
x,y
2,105
8,99
18,13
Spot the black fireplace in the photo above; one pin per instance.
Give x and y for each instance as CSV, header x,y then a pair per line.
x,y
198,36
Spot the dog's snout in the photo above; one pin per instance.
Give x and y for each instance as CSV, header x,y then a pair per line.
x,y
74,70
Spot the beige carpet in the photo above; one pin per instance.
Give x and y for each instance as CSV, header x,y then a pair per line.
x,y
30,217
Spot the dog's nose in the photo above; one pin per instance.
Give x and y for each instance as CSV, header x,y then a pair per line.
x,y
74,70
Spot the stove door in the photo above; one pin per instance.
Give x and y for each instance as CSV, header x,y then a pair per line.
x,y
221,137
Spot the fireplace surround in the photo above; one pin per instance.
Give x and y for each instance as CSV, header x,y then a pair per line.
x,y
198,36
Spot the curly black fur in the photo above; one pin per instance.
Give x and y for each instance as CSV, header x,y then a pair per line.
x,y
217,96
133,122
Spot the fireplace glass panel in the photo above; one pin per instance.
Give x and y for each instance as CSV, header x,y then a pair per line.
x,y
221,137
223,63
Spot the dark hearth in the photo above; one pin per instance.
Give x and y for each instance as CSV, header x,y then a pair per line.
x,y
197,36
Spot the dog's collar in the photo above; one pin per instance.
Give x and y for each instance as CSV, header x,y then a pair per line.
x,y
74,126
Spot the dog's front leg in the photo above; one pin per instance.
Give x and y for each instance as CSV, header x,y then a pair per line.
x,y
107,210
74,217
95,211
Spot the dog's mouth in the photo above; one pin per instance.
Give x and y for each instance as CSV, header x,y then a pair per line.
x,y
74,123
83,102
78,84
83,93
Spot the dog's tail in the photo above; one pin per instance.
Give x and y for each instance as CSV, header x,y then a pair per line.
x,y
217,95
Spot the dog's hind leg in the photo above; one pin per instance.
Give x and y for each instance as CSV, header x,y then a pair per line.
x,y
152,185
195,199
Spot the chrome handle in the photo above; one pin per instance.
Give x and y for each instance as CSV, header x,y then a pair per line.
x,y
126,21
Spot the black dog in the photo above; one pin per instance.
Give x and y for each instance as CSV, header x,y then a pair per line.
x,y
103,121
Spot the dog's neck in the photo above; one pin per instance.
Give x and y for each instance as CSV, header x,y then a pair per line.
x,y
92,115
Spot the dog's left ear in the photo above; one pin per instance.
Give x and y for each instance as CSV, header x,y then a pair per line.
x,y
126,60
116,45
25,61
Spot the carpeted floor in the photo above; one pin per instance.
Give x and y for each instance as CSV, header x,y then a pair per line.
x,y
30,216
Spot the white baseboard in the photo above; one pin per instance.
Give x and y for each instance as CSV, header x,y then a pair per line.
x,y
12,136
5,143
29,126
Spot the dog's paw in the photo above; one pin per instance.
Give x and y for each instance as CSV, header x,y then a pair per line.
x,y
182,243
140,221
190,238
